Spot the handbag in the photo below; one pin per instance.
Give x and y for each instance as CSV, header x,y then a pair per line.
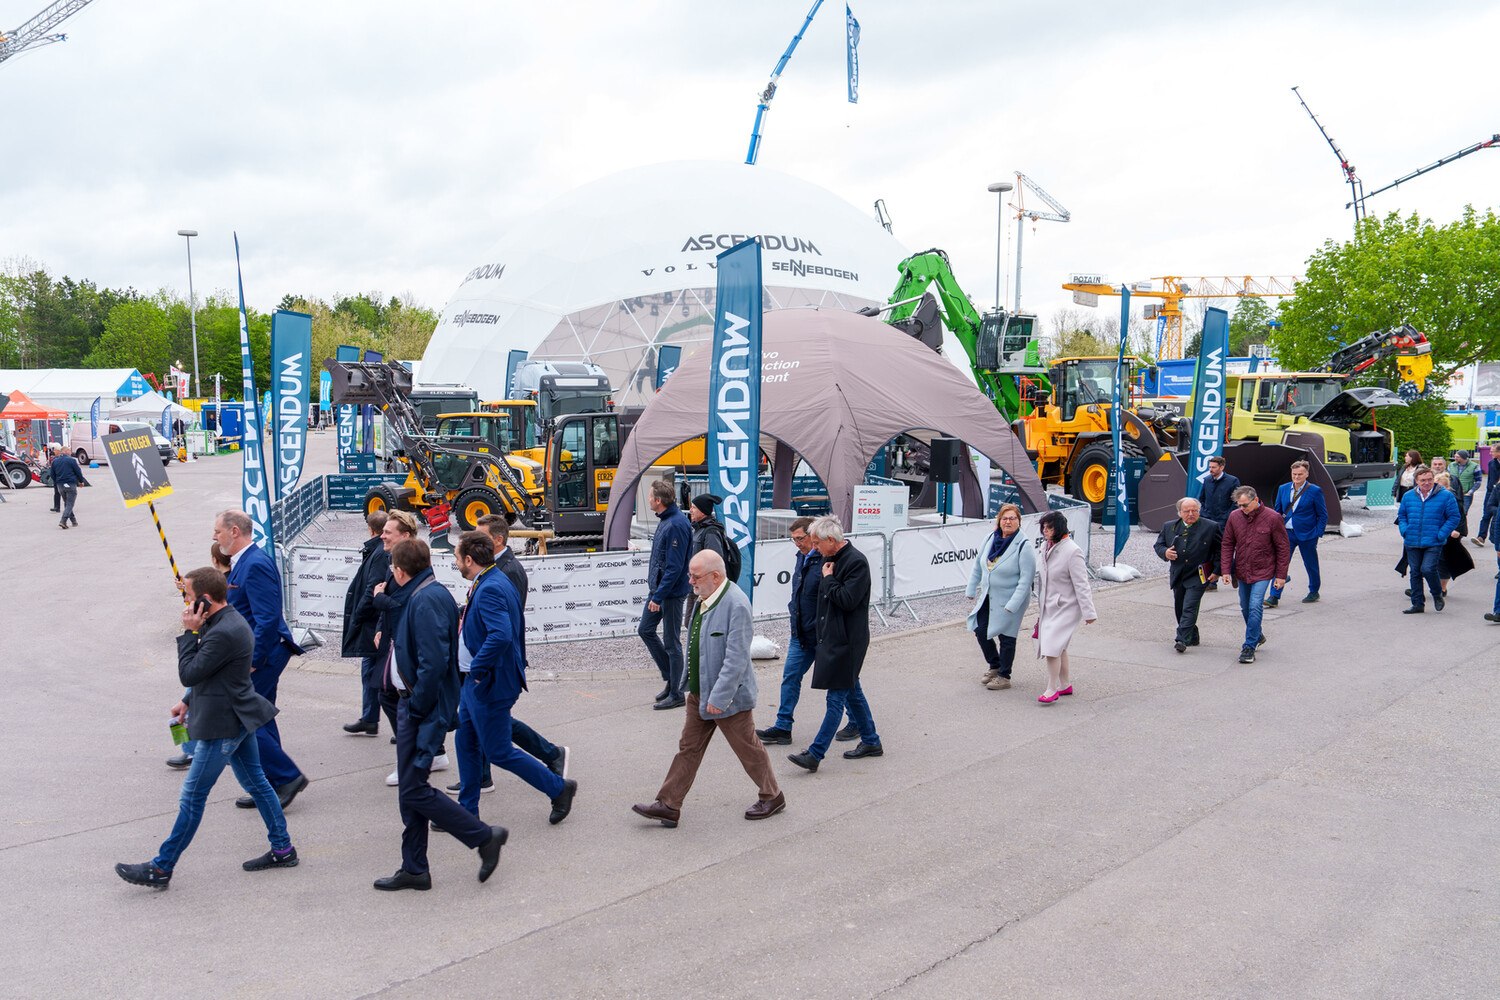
x,y
1036,630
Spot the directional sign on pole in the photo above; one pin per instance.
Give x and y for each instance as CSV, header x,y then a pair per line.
x,y
137,467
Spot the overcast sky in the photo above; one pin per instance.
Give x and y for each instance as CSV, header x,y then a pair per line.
x,y
382,146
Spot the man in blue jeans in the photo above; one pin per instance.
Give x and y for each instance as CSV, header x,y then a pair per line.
x,y
668,587
222,711
1255,554
843,639
802,642
1427,518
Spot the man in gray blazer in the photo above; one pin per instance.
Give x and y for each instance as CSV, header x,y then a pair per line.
x,y
721,693
222,711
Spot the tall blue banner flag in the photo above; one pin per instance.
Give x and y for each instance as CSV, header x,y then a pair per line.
x,y
851,32
255,487
1116,420
291,390
166,422
734,401
325,389
367,412
513,362
668,357
1208,398
94,418
346,354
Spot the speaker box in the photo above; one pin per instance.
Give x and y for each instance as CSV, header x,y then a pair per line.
x,y
945,459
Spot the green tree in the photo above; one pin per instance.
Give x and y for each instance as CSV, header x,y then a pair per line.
x,y
137,334
1420,425
1440,279
1249,325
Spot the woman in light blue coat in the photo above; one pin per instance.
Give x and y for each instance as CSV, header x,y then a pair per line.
x,y
1001,585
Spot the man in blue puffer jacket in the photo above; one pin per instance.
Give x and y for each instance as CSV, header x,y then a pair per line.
x,y
1428,517
667,586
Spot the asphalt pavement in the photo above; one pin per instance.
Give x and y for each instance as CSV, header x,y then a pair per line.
x,y
1322,823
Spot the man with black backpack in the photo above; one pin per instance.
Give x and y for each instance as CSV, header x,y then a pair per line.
x,y
708,533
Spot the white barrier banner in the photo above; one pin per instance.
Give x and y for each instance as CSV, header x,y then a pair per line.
x,y
936,559
585,596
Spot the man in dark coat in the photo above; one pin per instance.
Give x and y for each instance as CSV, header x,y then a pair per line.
x,y
67,476
802,643
255,592
1191,545
362,621
423,668
843,638
222,711
1217,497
667,586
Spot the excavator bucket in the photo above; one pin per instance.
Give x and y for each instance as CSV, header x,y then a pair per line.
x,y
1254,463
354,381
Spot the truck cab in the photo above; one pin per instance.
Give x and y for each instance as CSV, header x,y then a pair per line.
x,y
1314,410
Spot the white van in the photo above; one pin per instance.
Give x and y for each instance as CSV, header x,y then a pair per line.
x,y
85,448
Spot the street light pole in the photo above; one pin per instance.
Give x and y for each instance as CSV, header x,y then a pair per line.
x,y
999,188
192,309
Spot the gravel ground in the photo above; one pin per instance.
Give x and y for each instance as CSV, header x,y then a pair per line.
x,y
625,654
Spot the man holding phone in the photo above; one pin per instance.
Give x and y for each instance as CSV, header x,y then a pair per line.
x,y
213,662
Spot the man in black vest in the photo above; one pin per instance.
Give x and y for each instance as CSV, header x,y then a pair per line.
x,y
222,712
1190,544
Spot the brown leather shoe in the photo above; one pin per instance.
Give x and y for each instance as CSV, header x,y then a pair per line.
x,y
766,807
656,810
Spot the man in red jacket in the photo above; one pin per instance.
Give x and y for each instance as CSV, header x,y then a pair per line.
x,y
1255,554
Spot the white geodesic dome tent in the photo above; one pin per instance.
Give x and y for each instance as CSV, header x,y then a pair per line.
x,y
614,269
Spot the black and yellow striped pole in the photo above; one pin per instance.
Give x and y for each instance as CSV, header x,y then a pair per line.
x,y
165,545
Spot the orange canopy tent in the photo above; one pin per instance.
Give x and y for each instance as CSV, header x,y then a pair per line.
x,y
21,407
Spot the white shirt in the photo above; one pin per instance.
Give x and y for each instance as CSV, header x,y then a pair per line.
x,y
234,560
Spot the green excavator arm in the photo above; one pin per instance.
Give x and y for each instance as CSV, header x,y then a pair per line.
x,y
1001,348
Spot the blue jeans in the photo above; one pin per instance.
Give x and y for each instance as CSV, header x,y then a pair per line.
x,y
668,656
1252,597
840,700
799,660
1309,549
1422,563
242,754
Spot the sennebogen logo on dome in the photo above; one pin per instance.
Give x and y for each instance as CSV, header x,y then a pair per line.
x,y
723,241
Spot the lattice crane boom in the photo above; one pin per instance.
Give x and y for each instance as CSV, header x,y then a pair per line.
x,y
38,31
1058,214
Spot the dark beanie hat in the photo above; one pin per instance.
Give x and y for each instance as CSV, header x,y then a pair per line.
x,y
705,502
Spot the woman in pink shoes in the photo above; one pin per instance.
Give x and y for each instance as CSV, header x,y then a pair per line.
x,y
1064,598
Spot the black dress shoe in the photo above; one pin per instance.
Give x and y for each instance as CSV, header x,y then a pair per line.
x,y
1180,646
487,785
1413,610
145,874
287,792
559,765
772,736
489,852
666,703
804,760
181,762
864,750
363,729
563,804
1438,602
655,810
272,859
849,732
404,879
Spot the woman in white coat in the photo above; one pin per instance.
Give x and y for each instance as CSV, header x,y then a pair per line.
x,y
1063,599
1001,584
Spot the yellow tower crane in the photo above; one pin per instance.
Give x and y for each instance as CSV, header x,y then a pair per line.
x,y
1175,288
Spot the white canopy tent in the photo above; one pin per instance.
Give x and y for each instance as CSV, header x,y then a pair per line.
x,y
75,389
148,408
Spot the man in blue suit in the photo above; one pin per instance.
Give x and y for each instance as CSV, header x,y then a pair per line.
x,y
255,592
492,659
1300,503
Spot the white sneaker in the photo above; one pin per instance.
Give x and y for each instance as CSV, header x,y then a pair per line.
x,y
393,779
439,763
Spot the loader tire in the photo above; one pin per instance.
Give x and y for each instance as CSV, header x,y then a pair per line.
x,y
1092,475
